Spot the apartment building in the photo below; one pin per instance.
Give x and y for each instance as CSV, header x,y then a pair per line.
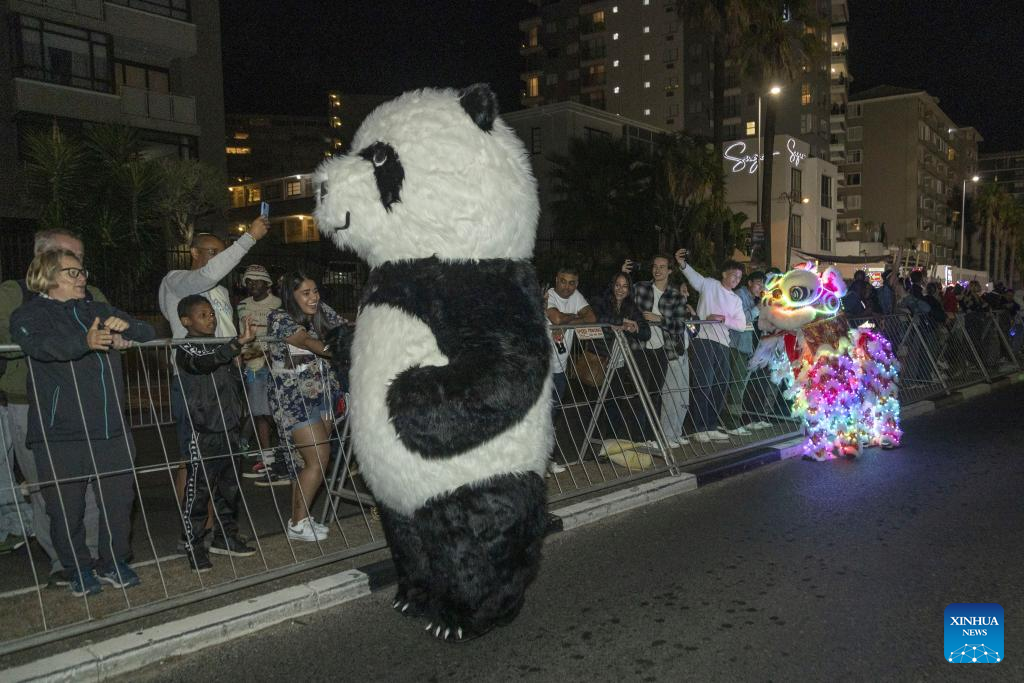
x,y
154,65
268,145
1006,169
803,108
621,56
906,162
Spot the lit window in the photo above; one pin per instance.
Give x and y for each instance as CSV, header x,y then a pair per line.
x,y
647,112
254,194
615,90
805,94
240,135
647,29
615,62
615,36
647,84
647,57
647,2
335,122
294,188
751,128
238,150
615,9
533,86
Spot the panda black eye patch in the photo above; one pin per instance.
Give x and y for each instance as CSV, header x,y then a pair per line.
x,y
387,170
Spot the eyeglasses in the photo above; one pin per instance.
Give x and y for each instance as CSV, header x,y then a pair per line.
x,y
74,273
209,251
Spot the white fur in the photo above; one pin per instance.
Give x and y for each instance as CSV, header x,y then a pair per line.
x,y
467,193
387,341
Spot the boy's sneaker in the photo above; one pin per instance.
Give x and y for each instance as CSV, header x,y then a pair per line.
x,y
120,576
272,478
231,545
85,583
199,560
257,472
11,543
58,578
305,531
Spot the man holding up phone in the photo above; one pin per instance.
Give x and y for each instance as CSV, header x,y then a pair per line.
x,y
709,351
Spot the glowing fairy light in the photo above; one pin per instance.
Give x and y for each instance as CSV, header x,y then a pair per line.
x,y
842,382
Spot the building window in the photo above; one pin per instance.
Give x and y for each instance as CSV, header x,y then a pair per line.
x,y
806,123
533,36
615,36
805,94
794,231
853,111
826,234
647,84
647,56
254,194
852,202
551,27
615,90
647,112
796,182
826,191
647,29
294,188
751,128
536,140
671,54
141,76
63,54
855,133
238,150
673,109
853,156
175,9
551,79
615,63
853,178
533,86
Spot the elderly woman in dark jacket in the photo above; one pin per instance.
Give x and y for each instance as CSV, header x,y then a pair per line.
x,y
626,417
75,420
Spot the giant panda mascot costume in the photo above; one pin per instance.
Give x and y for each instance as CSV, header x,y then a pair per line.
x,y
450,376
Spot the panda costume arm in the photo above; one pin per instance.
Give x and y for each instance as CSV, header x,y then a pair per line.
x,y
489,326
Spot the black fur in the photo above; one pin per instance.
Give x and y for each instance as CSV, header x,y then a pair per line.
x,y
488,320
466,558
387,170
481,104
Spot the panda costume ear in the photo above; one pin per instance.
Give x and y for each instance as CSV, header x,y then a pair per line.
x,y
481,104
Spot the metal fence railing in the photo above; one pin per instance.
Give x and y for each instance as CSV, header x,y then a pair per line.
x,y
623,412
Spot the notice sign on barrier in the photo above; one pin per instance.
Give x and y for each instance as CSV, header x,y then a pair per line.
x,y
589,333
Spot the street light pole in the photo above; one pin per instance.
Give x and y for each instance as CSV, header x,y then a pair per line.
x,y
963,220
773,91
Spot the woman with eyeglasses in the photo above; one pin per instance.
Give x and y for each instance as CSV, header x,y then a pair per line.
x,y
76,411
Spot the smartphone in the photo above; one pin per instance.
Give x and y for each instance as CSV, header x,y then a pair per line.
x,y
265,210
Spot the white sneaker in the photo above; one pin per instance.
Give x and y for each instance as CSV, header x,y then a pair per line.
x,y
711,435
305,531
555,468
761,424
739,431
648,444
322,528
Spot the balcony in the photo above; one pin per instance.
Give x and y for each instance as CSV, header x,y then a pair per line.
x,y
159,111
151,32
590,53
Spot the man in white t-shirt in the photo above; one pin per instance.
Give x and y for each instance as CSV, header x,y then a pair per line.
x,y
256,306
211,263
564,305
709,351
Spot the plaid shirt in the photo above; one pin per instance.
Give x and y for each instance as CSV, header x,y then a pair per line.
x,y
671,308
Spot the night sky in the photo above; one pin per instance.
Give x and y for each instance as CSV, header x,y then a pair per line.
x,y
282,57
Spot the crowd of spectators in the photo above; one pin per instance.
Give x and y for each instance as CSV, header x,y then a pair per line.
x,y
689,335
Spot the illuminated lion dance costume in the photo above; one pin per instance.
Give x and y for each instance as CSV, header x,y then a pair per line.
x,y
841,381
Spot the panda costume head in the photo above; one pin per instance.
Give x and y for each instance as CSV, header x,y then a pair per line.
x,y
450,371
431,173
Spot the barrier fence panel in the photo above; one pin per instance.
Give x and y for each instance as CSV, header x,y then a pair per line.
x,y
1001,351
109,493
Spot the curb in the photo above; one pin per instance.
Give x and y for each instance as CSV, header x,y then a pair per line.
x,y
131,652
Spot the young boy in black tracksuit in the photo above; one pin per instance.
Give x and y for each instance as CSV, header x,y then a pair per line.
x,y
212,391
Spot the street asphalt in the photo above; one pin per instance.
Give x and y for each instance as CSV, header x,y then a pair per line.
x,y
798,571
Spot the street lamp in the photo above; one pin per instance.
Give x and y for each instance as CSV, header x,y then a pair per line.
x,y
791,199
773,91
963,218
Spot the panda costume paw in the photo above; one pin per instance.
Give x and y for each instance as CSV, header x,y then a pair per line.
x,y
450,373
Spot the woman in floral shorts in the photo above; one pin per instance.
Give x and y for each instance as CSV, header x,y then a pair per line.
x,y
303,390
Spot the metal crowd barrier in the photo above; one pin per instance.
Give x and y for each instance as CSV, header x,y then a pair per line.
x,y
624,414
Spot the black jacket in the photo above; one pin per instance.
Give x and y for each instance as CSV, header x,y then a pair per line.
x,y
604,309
211,386
73,391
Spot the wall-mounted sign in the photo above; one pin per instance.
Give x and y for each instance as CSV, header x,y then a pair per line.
x,y
737,153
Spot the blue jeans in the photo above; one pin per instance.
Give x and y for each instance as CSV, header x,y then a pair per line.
x,y
709,372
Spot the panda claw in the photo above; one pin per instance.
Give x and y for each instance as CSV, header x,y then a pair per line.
x,y
396,604
429,626
437,631
447,632
405,607
459,632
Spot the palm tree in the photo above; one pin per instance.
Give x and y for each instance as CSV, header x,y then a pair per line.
x,y
603,188
689,191
1015,233
726,23
54,170
190,191
988,204
782,40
